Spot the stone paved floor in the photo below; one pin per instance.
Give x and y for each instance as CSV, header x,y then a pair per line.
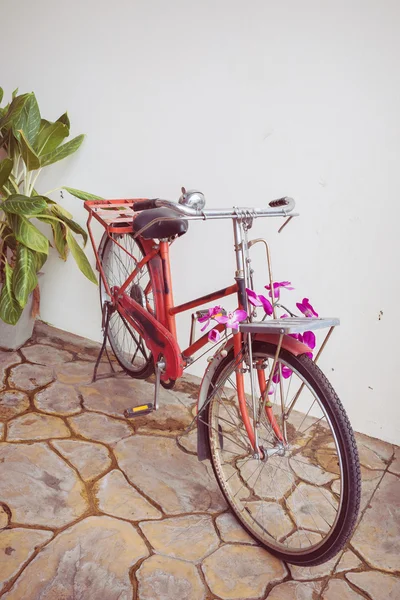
x,y
93,507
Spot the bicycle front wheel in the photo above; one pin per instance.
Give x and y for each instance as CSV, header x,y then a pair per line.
x,y
119,260
301,499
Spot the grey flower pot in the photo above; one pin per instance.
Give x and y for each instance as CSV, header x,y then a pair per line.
x,y
13,337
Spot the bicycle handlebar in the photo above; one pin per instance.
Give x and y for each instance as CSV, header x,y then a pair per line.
x,y
280,208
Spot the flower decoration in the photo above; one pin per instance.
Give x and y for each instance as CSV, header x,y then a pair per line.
x,y
212,312
232,319
306,308
277,285
259,300
214,336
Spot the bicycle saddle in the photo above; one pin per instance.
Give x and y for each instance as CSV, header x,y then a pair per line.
x,y
160,229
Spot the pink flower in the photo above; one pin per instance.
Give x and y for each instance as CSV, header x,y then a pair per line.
x,y
259,300
286,373
212,312
306,308
277,285
214,335
232,319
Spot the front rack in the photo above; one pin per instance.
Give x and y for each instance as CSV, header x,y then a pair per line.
x,y
288,326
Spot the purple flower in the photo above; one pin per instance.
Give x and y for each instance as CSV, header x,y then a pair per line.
x,y
306,308
252,297
212,312
214,335
277,285
309,339
259,300
286,373
266,304
232,319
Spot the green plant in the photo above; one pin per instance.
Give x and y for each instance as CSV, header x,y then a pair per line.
x,y
28,144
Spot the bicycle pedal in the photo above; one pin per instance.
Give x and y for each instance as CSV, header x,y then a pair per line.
x,y
139,411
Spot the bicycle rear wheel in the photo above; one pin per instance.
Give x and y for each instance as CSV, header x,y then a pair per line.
x,y
118,262
302,499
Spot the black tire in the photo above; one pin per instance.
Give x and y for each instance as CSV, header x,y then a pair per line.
x,y
125,342
350,483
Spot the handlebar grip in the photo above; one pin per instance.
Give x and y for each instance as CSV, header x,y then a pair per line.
x,y
144,204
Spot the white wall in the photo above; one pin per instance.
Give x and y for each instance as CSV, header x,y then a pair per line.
x,y
246,101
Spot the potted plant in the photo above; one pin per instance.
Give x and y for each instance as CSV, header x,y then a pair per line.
x,y
28,144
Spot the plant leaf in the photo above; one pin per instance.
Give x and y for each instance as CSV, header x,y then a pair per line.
x,y
28,120
28,234
14,110
50,137
59,235
81,195
40,260
24,205
1,94
62,151
15,92
64,119
10,310
6,166
76,228
24,279
80,257
30,157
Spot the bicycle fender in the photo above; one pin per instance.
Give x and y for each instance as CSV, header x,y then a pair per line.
x,y
158,339
288,343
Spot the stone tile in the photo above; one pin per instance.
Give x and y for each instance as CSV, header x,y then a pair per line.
x,y
190,538
173,479
89,458
309,472
2,431
4,517
188,441
34,426
312,507
100,428
46,355
116,497
59,399
48,335
39,487
338,589
369,459
80,373
382,449
16,547
271,479
395,465
114,395
377,537
369,482
378,585
304,539
348,561
294,590
238,571
230,530
12,403
165,578
92,559
6,360
30,377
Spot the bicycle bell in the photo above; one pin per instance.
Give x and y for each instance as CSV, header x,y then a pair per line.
x,y
193,199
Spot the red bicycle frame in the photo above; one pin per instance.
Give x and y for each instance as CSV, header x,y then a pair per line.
x,y
160,332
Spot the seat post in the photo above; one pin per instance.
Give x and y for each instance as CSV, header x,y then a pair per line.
x,y
169,299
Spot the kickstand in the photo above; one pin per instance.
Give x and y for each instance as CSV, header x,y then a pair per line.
x,y
105,324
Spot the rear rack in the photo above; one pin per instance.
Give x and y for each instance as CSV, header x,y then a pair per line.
x,y
116,216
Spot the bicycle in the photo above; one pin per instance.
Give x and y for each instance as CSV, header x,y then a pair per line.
x,y
279,440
